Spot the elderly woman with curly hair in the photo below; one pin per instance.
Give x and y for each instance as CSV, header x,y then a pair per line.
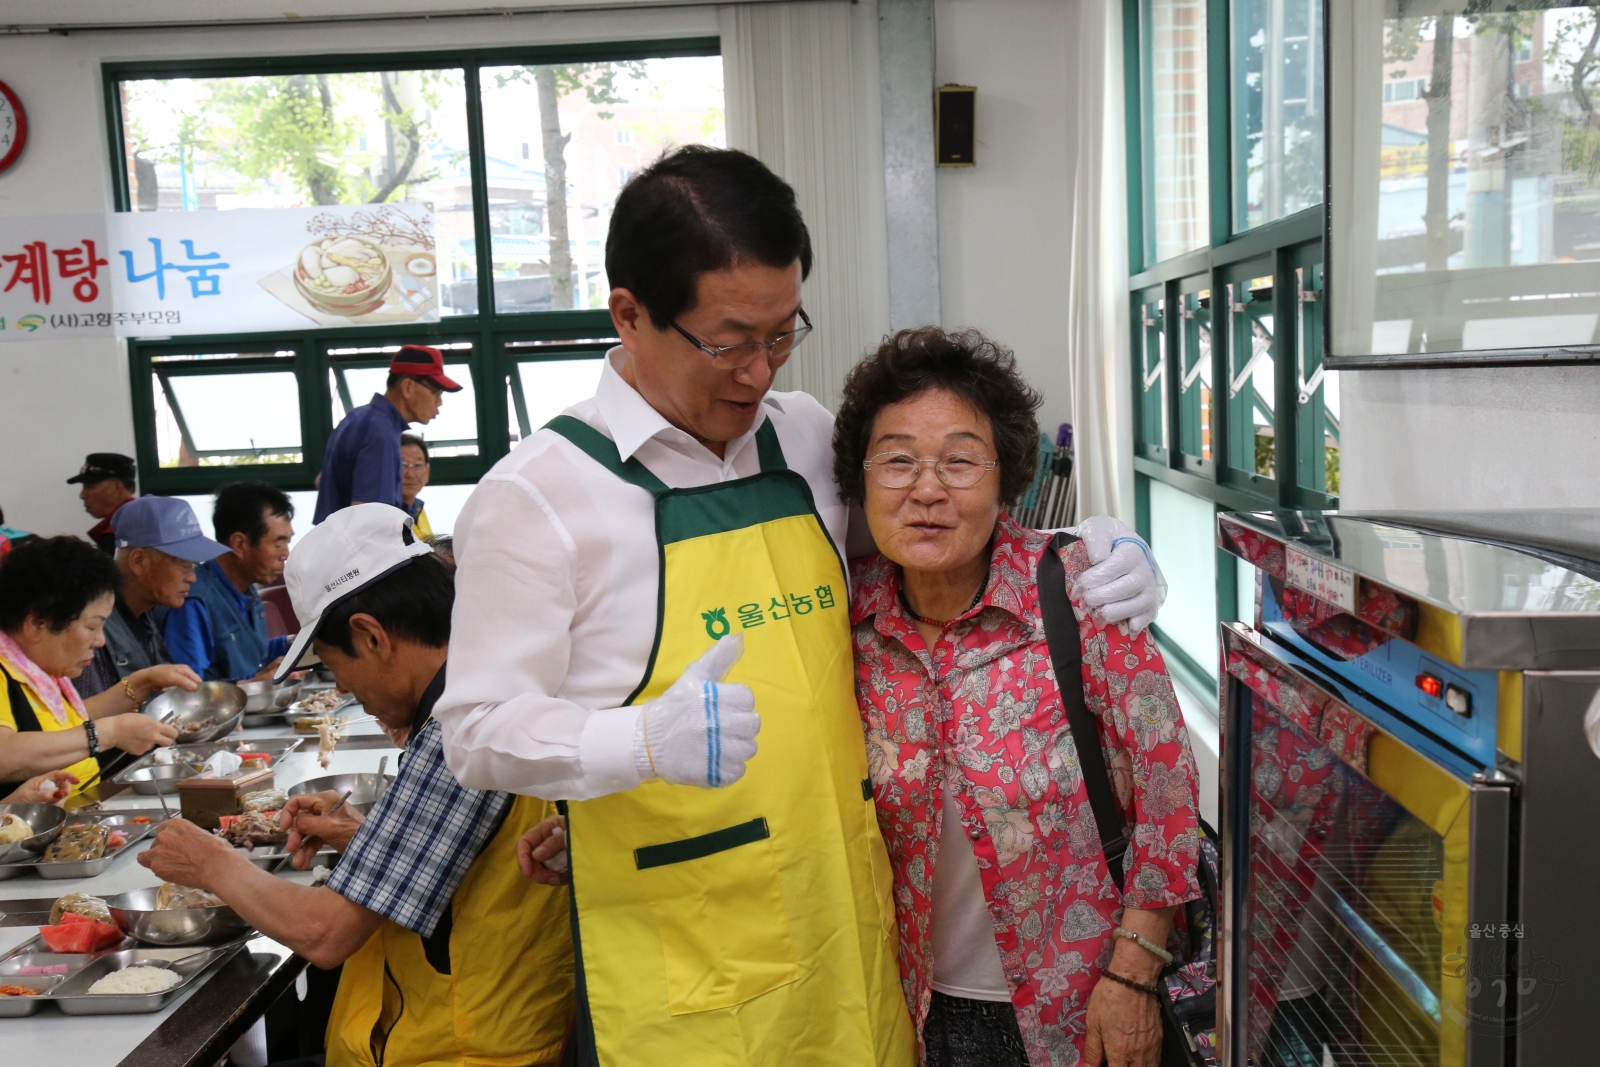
x,y
1016,948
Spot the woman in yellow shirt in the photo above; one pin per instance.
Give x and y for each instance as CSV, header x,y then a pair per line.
x,y
55,596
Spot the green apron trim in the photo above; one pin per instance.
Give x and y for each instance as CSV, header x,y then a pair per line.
x,y
683,514
600,448
693,848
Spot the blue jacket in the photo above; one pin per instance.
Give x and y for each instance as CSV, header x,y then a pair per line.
x,y
220,632
362,460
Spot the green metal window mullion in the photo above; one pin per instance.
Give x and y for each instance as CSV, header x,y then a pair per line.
x,y
1221,340
140,372
479,160
116,134
316,410
489,366
1218,124
1133,107
1172,378
1286,404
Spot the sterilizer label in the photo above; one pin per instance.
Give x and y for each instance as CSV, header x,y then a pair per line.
x,y
1321,579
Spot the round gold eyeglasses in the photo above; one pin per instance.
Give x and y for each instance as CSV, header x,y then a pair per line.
x,y
958,470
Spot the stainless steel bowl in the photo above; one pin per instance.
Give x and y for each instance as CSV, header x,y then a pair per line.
x,y
135,914
157,779
286,694
46,821
222,702
365,789
258,696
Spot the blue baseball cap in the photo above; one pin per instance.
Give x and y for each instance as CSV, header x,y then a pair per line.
x,y
166,524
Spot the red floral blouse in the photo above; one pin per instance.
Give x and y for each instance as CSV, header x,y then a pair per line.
x,y
982,704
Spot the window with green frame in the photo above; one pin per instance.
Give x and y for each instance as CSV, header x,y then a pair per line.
x,y
521,210
1231,404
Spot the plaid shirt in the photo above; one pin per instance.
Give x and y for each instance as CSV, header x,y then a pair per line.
x,y
414,850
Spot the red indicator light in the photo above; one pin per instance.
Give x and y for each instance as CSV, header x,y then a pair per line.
x,y
1430,685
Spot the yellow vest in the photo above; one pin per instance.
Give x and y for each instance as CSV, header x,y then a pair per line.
x,y
750,925
10,686
507,1001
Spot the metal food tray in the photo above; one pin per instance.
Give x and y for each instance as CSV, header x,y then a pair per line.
x,y
326,857
275,747
90,868
73,998
68,991
298,710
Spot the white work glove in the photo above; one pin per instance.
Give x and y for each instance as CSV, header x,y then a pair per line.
x,y
701,731
1123,581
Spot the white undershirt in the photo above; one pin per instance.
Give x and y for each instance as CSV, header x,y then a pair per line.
x,y
966,960
555,610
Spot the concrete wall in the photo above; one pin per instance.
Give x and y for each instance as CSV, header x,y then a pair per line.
x,y
1514,437
59,400
1003,227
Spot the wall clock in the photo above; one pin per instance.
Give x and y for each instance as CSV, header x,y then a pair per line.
x,y
13,127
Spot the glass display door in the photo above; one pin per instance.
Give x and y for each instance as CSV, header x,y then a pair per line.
x,y
1347,881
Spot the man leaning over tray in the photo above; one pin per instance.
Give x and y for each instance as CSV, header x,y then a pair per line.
x,y
478,959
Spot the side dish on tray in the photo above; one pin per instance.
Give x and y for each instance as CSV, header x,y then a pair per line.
x,y
80,841
80,923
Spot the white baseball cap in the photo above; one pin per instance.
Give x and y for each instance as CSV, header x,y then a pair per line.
x,y
342,555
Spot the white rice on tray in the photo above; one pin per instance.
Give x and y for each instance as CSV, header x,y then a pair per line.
x,y
137,980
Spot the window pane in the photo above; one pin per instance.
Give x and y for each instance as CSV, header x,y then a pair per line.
x,y
1317,439
561,142
1194,412
300,140
227,419
1177,182
1277,109
1183,534
541,391
1469,211
1252,430
453,432
1153,380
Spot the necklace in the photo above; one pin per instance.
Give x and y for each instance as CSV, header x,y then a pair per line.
x,y
942,623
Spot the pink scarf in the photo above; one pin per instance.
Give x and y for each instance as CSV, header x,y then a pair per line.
x,y
56,693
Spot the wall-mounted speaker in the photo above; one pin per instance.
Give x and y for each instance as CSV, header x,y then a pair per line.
x,y
954,110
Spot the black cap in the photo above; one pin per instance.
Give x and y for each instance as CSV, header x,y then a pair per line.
x,y
98,466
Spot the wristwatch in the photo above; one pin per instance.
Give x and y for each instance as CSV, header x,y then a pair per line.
x,y
94,738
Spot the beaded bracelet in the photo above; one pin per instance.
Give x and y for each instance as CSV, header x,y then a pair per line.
x,y
1130,983
1145,943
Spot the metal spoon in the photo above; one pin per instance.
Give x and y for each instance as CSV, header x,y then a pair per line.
x,y
276,867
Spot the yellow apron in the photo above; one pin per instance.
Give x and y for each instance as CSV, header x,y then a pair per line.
x,y
750,925
507,999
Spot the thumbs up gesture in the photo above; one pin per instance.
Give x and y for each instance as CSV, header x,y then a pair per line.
x,y
702,730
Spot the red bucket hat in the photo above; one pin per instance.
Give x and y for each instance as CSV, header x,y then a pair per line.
x,y
422,362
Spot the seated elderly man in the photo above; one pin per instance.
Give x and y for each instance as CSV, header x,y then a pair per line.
x,y
158,543
450,955
221,629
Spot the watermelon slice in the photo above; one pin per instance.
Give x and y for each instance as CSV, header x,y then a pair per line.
x,y
74,933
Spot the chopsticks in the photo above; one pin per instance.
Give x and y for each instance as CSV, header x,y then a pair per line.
x,y
276,867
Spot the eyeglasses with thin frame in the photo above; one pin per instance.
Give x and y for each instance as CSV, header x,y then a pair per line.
x,y
737,357
958,470
420,464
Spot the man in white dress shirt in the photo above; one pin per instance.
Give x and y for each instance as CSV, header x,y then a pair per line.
x,y
562,618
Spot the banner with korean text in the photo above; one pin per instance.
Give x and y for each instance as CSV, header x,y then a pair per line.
x,y
166,273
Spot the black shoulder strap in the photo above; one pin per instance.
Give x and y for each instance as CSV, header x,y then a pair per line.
x,y
21,708
1066,656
